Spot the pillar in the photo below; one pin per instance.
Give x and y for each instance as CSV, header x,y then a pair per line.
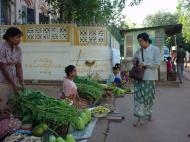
x,y
37,11
18,11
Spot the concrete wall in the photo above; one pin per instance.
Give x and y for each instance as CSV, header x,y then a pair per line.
x,y
48,49
47,61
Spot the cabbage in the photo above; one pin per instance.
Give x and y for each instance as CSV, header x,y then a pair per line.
x,y
70,138
80,125
84,117
89,114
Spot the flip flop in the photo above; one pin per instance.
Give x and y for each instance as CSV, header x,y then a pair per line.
x,y
138,124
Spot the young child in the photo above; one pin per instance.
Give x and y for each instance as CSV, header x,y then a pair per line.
x,y
114,77
169,65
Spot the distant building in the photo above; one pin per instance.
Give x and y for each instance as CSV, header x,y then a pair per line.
x,y
157,34
23,12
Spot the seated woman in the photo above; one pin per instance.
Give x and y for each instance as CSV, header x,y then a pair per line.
x,y
70,88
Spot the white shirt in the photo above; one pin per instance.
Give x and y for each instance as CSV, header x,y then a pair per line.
x,y
152,60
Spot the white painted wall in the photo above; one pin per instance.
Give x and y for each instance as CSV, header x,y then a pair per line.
x,y
48,49
46,61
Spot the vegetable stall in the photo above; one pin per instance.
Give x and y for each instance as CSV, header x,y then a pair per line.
x,y
47,119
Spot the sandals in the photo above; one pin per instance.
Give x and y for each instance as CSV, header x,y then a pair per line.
x,y
138,124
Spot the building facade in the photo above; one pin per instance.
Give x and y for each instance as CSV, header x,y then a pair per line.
x,y
23,12
158,36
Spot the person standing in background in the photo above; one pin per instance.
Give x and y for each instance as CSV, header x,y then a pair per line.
x,y
144,90
181,58
11,72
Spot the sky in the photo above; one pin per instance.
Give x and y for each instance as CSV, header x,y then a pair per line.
x,y
136,14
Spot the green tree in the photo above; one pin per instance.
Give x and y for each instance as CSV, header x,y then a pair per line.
x,y
183,9
160,18
90,11
166,18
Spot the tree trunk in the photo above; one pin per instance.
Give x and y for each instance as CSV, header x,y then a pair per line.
x,y
61,15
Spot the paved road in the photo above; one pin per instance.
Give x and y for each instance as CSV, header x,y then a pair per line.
x,y
171,114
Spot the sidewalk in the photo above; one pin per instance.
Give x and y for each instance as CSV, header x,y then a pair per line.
x,y
171,114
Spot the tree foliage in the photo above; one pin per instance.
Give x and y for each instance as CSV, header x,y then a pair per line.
x,y
184,18
166,18
161,18
89,11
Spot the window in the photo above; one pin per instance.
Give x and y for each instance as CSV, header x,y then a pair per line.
x,y
129,45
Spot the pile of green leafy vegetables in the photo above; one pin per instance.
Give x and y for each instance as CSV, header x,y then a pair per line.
x,y
35,106
89,88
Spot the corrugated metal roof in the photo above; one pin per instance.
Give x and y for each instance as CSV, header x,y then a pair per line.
x,y
169,29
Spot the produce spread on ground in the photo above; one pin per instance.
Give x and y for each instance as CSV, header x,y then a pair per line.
x,y
47,119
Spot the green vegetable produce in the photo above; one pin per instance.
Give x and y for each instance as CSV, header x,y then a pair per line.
x,y
92,92
38,131
116,92
100,109
104,85
122,91
87,80
89,88
89,114
84,117
52,139
70,138
41,108
60,139
119,92
80,125
44,127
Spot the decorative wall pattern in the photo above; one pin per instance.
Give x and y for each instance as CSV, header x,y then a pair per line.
x,y
92,36
2,32
65,33
47,33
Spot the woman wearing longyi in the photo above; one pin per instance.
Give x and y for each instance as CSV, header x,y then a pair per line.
x,y
144,90
11,74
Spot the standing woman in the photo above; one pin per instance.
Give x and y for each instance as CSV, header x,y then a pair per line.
x,y
144,90
11,73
